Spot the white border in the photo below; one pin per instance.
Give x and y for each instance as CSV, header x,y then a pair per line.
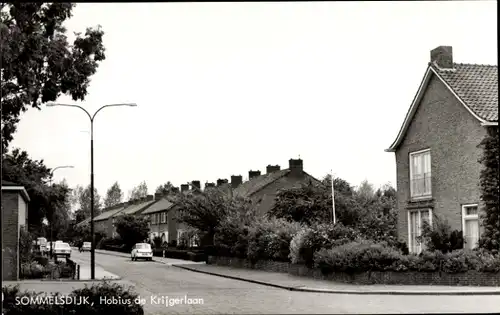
x,y
411,173
468,217
420,225
19,188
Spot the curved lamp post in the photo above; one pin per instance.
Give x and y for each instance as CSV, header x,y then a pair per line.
x,y
91,117
52,215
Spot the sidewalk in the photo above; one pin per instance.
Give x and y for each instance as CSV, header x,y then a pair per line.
x,y
304,284
165,261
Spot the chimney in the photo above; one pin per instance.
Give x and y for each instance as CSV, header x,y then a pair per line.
x,y
236,180
253,174
150,197
442,57
126,204
196,183
158,196
209,185
272,168
296,166
175,189
184,187
221,182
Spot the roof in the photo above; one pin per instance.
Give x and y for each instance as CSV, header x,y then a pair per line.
x,y
87,220
7,185
108,214
135,208
160,205
474,86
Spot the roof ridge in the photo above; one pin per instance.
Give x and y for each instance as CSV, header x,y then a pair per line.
x,y
474,64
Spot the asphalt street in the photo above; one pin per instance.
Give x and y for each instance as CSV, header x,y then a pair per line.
x,y
158,283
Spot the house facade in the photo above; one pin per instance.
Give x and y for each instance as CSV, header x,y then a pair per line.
x,y
15,201
437,150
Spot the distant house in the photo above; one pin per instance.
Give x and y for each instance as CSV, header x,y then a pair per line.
x,y
15,201
157,214
436,147
262,189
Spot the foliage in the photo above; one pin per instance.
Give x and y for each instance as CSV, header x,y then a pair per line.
x,y
38,64
83,197
362,256
365,191
25,246
490,214
165,189
19,168
42,268
141,191
379,222
132,229
114,195
311,239
439,236
157,241
269,239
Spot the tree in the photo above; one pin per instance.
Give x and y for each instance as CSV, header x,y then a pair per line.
x,y
38,64
165,189
60,218
340,186
114,196
132,229
365,192
490,214
19,168
83,196
141,191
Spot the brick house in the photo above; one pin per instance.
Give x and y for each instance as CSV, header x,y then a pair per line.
x,y
158,214
15,201
436,148
262,188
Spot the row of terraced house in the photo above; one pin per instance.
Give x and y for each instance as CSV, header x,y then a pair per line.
x,y
163,213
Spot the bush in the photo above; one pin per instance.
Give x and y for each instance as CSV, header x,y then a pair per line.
x,y
157,241
311,240
106,241
440,237
181,254
270,239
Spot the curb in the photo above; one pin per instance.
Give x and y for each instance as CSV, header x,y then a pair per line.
x,y
317,290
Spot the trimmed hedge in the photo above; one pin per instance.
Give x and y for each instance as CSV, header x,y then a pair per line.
x,y
93,293
193,255
357,257
42,268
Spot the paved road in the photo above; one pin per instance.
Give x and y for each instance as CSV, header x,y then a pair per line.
x,y
226,296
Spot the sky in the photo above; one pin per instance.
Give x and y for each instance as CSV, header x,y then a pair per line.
x,y
225,88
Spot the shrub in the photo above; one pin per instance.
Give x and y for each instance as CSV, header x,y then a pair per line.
x,y
440,237
157,241
317,237
270,239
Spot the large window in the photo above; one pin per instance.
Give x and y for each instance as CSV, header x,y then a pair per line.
x,y
470,225
420,174
415,221
163,217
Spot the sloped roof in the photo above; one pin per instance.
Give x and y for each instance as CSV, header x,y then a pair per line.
x,y
252,186
475,86
107,214
8,185
135,208
161,205
87,220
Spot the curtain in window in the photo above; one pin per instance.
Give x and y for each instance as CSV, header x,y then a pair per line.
x,y
471,233
414,228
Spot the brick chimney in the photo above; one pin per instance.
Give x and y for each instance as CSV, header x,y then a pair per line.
x,y
272,168
175,189
253,174
209,185
196,183
236,180
158,196
221,182
150,197
296,166
184,187
442,57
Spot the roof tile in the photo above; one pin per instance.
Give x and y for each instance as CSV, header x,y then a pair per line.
x,y
162,204
252,186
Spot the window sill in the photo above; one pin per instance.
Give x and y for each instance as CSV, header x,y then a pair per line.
x,y
423,198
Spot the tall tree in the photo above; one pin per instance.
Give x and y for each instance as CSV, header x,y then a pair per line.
x,y
19,168
490,189
38,64
114,196
140,191
165,189
84,203
365,192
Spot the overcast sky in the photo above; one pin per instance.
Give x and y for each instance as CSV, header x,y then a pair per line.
x,y
224,88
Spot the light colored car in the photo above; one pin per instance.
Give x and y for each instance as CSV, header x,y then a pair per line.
x,y
86,246
142,251
62,249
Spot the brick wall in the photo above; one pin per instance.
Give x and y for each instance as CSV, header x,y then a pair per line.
x,y
10,232
470,278
442,124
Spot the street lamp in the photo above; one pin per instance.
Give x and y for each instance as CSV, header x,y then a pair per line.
x,y
52,215
91,117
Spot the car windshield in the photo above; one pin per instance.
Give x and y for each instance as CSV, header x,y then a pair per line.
x,y
62,245
143,246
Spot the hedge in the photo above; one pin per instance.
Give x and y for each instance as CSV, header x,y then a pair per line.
x,y
193,255
43,268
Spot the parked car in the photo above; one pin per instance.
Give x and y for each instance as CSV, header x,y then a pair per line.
x,y
142,251
62,249
86,246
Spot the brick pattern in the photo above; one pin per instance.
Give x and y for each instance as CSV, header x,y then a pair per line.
x,y
470,278
10,234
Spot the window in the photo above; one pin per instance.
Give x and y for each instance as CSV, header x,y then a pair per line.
x,y
470,225
152,218
163,217
415,220
420,174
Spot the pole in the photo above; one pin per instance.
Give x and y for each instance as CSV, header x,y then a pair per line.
x,y
92,244
333,201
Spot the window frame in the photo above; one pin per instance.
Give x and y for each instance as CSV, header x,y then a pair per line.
x,y
163,217
410,167
410,245
466,217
